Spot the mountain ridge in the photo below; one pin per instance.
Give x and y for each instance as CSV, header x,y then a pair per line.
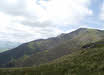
x,y
45,50
88,61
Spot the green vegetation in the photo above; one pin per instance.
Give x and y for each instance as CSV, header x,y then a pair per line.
x,y
78,53
53,48
84,62
31,45
46,50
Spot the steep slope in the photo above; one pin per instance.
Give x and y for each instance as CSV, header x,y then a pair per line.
x,y
89,61
24,50
71,43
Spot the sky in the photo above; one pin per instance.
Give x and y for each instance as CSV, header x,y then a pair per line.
x,y
27,20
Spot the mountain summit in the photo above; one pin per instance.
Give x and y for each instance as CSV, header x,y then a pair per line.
x,y
46,50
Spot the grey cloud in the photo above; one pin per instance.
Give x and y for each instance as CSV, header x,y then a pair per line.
x,y
17,9
32,28
37,24
18,35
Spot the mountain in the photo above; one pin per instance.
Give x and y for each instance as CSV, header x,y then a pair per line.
x,y
27,49
86,61
46,50
7,45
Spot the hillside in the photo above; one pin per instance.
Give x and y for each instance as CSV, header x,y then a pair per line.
x,y
46,50
88,61
26,49
77,39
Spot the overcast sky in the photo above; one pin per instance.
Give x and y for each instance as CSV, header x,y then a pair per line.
x,y
27,20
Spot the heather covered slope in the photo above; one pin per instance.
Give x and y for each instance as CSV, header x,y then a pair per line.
x,y
88,61
46,50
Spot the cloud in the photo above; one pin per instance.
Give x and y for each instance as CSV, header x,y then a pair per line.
x,y
102,12
65,11
26,20
21,33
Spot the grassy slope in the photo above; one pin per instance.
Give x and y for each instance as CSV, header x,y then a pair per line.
x,y
25,50
84,62
40,51
79,38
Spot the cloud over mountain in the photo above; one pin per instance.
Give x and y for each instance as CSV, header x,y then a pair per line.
x,y
34,19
